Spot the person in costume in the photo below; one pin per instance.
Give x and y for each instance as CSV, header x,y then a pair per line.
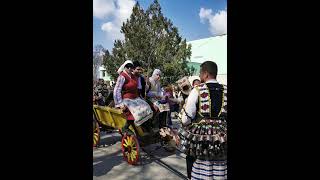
x,y
137,71
126,97
154,93
205,115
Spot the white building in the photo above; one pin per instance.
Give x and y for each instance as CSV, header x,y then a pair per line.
x,y
210,49
102,74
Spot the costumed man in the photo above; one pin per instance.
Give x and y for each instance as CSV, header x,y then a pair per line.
x,y
204,127
137,71
126,97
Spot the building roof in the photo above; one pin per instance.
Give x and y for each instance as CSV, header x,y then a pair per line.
x,y
210,49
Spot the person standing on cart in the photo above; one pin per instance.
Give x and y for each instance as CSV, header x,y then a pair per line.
x,y
126,97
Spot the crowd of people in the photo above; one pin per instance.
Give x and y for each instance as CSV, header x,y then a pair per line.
x,y
148,88
201,104
101,92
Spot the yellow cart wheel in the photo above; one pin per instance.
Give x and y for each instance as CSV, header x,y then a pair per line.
x,y
130,149
96,134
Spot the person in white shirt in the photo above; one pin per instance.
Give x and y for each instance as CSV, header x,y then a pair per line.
x,y
206,101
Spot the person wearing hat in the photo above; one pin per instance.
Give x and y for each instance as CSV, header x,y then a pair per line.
x,y
126,97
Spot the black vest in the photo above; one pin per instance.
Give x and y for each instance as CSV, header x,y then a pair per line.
x,y
142,91
216,94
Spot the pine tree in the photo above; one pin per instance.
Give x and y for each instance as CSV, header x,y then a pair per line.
x,y
153,40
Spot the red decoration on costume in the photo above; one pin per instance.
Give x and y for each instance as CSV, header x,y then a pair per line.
x,y
204,95
205,107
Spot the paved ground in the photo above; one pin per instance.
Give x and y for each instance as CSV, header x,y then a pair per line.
x,y
108,162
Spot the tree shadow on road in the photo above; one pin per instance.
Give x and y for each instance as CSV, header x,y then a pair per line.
x,y
105,163
111,139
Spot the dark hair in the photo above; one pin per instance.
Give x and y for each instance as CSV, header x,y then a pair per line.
x,y
136,64
210,67
195,81
129,65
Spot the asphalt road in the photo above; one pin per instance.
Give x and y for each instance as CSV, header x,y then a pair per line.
x,y
158,164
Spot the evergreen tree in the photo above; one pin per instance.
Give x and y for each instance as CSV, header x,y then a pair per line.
x,y
151,39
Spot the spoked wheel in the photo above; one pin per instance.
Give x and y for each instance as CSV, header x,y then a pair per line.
x,y
96,134
130,149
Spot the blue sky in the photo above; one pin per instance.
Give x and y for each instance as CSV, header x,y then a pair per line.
x,y
195,19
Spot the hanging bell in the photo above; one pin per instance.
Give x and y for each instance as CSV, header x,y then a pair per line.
x,y
183,149
195,138
189,136
211,153
222,139
202,130
201,138
197,152
185,134
205,152
216,138
197,130
191,152
198,146
206,130
192,145
185,143
210,130
211,147
180,131
182,142
209,138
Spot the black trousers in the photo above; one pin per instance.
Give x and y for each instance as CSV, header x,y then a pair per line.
x,y
190,160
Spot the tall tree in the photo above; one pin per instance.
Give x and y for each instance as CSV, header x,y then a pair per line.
x,y
152,39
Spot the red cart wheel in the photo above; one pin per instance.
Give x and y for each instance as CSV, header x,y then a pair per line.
x,y
130,149
96,134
